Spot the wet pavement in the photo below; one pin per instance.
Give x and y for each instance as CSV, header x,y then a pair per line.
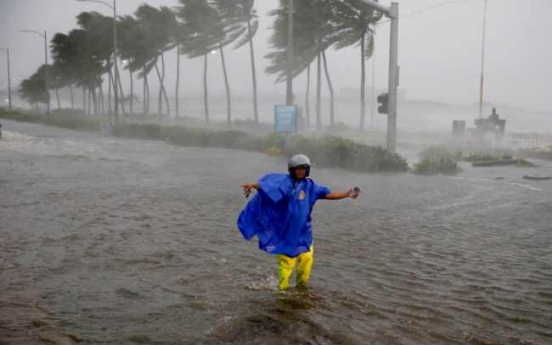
x,y
115,241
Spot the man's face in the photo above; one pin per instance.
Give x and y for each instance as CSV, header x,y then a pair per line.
x,y
300,172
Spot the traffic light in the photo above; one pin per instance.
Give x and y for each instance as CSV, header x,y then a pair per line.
x,y
383,101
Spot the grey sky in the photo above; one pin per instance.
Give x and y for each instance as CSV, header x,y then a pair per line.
x,y
439,49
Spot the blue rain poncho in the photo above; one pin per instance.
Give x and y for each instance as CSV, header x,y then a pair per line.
x,y
280,214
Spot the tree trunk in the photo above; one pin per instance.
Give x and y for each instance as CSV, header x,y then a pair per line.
x,y
84,100
205,90
109,81
57,98
102,103
318,92
121,94
362,82
332,100
94,99
176,103
163,85
72,97
160,93
226,84
89,101
145,93
115,104
131,92
253,73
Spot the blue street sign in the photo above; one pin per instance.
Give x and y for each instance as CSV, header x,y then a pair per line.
x,y
285,118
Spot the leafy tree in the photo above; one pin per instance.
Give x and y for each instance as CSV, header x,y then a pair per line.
x,y
99,42
159,27
202,23
33,89
314,32
240,22
354,19
77,61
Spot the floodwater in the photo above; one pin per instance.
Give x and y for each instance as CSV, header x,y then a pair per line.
x,y
115,241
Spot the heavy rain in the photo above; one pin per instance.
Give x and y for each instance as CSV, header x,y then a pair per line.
x,y
164,165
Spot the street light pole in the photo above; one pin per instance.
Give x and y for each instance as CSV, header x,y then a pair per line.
x,y
482,80
393,78
290,54
46,81
392,13
7,50
115,52
46,75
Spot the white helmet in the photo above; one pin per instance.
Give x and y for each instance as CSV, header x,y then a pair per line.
x,y
299,161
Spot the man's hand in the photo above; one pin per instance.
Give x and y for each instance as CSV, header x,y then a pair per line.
x,y
351,193
248,187
354,192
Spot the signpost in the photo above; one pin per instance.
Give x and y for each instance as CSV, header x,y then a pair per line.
x,y
392,12
285,119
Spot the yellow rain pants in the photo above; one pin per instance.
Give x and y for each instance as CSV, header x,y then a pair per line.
x,y
287,264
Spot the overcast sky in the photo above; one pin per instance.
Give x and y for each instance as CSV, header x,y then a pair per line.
x,y
440,49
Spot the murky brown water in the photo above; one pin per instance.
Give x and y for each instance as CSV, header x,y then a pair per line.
x,y
110,241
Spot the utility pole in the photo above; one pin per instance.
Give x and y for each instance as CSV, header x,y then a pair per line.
x,y
393,78
392,13
46,75
290,54
7,50
46,83
482,80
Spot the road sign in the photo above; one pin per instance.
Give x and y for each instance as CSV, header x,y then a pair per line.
x,y
285,118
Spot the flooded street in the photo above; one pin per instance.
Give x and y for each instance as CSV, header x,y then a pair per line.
x,y
116,241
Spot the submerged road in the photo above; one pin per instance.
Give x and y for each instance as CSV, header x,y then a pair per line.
x,y
116,241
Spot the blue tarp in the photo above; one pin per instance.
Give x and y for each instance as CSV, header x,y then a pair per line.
x,y
279,214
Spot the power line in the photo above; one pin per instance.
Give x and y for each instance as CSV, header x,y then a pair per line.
x,y
425,10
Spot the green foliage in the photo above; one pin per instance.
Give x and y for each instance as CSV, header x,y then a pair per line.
x,y
523,163
488,156
62,119
203,26
33,89
328,151
437,160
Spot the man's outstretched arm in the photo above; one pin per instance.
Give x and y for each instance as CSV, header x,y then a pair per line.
x,y
248,187
353,193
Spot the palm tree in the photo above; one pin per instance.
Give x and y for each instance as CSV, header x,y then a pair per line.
x,y
78,58
235,22
134,47
202,23
243,22
315,32
354,19
99,31
33,90
180,37
160,27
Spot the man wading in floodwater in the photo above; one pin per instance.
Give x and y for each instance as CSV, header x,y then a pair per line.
x,y
280,215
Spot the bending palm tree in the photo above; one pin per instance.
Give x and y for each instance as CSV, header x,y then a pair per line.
x,y
353,20
202,23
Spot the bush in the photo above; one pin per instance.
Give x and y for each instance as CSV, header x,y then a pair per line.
x,y
488,156
64,119
437,160
328,151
